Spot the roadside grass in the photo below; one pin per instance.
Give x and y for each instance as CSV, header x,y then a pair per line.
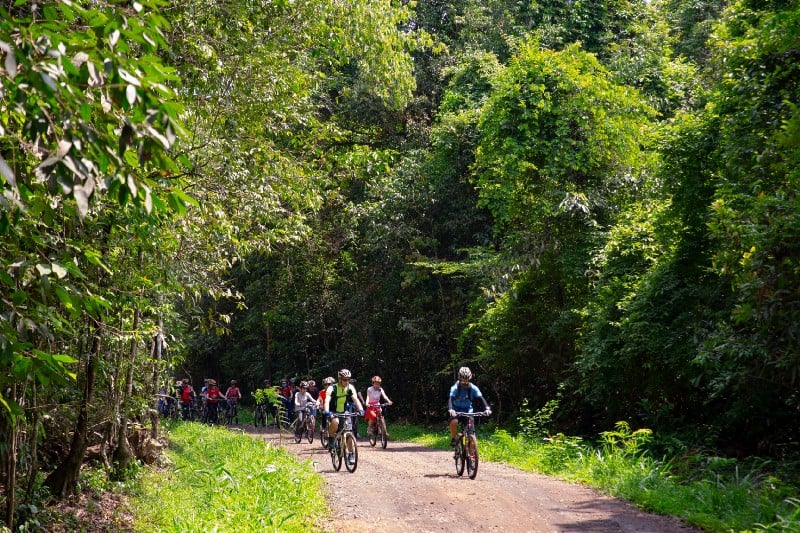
x,y
219,480
712,493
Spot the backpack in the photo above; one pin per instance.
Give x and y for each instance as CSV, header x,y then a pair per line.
x,y
459,397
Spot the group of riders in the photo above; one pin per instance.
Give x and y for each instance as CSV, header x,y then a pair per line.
x,y
205,405
336,396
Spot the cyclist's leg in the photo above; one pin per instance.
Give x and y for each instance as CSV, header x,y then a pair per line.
x,y
333,427
453,430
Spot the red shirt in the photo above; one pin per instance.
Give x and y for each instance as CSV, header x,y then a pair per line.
x,y
213,394
233,393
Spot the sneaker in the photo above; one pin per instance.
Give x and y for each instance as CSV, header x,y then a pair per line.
x,y
351,460
452,443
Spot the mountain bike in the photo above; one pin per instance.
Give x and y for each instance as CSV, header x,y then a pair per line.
x,y
231,412
345,448
260,415
378,431
323,431
466,452
304,427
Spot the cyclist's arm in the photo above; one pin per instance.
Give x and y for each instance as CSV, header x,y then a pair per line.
x,y
327,402
357,401
486,406
383,394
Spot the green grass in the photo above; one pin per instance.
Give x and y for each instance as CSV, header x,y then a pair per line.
x,y
714,494
220,480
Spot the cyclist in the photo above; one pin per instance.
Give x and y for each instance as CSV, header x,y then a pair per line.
x,y
336,396
232,396
186,394
374,395
213,396
301,399
285,391
462,394
327,382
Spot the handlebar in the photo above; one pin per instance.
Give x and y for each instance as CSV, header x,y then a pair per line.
x,y
478,414
352,415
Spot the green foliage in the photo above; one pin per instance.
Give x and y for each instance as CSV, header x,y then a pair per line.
x,y
227,480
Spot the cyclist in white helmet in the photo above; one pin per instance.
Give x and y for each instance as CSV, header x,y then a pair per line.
x,y
336,396
462,394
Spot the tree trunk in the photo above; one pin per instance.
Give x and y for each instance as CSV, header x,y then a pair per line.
x,y
9,462
122,456
64,479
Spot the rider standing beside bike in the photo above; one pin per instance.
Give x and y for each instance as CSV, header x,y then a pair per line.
x,y
374,395
336,396
233,395
462,394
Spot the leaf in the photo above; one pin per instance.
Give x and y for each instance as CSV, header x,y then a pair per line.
x,y
11,60
7,173
130,94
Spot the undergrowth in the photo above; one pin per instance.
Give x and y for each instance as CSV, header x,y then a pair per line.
x,y
222,481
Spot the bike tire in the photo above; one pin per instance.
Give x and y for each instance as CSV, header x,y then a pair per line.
x,y
373,439
384,440
350,443
323,437
310,433
472,457
336,455
460,458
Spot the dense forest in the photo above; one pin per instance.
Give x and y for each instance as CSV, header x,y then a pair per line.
x,y
593,204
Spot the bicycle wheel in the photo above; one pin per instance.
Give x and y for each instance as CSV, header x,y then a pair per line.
x,y
323,437
384,440
372,436
310,431
350,451
460,456
472,457
336,453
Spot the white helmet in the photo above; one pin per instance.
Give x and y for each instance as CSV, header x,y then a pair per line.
x,y
465,373
344,373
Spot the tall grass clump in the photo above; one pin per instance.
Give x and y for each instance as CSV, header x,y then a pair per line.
x,y
220,480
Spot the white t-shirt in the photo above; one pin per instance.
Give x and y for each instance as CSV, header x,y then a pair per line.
x,y
301,399
374,395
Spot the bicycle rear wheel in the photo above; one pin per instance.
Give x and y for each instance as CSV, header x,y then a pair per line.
x,y
337,453
472,457
460,456
350,452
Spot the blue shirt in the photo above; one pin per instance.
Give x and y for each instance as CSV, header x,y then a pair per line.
x,y
462,398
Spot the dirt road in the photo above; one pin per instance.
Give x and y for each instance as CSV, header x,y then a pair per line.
x,y
408,487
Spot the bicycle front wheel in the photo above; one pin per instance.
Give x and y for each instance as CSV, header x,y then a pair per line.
x,y
472,457
336,453
384,440
310,431
460,457
350,450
